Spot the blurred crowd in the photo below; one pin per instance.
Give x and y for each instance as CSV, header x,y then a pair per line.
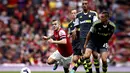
x,y
24,22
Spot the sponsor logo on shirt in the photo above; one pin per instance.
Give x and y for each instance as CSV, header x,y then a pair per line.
x,y
85,21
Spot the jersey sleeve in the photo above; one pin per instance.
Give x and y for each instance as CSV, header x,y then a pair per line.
x,y
62,34
76,22
95,18
71,27
114,26
69,30
92,29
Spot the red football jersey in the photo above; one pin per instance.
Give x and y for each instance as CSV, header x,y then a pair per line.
x,y
64,49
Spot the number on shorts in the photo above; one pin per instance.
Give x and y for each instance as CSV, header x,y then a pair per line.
x,y
105,45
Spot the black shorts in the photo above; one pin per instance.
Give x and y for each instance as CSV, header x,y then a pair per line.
x,y
77,49
98,49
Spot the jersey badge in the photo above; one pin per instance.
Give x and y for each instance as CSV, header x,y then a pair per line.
x,y
80,17
89,16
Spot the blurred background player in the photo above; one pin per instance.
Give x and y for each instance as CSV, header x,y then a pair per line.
x,y
75,42
84,20
64,51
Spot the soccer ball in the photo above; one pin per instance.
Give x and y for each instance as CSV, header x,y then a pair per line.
x,y
25,70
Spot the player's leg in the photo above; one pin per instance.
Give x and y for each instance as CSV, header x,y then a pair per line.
x,y
66,66
51,61
104,56
54,59
86,56
66,63
90,48
85,63
75,58
77,64
83,60
96,61
66,70
76,52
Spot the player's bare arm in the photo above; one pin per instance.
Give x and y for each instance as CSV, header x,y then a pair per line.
x,y
63,41
47,37
87,39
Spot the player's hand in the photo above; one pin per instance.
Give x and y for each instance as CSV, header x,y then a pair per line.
x,y
68,35
45,37
50,41
84,46
83,51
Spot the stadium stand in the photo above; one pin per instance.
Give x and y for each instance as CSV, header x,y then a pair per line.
x,y
24,22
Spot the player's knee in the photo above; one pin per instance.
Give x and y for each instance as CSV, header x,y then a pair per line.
x,y
48,62
95,55
75,59
104,57
88,53
104,60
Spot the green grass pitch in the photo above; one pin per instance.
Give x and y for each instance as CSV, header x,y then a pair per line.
x,y
56,72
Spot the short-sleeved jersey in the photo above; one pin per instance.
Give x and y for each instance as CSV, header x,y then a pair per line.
x,y
70,29
85,21
100,34
64,49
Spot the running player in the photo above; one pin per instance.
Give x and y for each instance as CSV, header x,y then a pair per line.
x,y
64,51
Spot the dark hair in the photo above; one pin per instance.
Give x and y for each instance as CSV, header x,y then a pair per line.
x,y
106,13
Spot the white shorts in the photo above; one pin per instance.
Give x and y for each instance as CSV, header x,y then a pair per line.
x,y
64,60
